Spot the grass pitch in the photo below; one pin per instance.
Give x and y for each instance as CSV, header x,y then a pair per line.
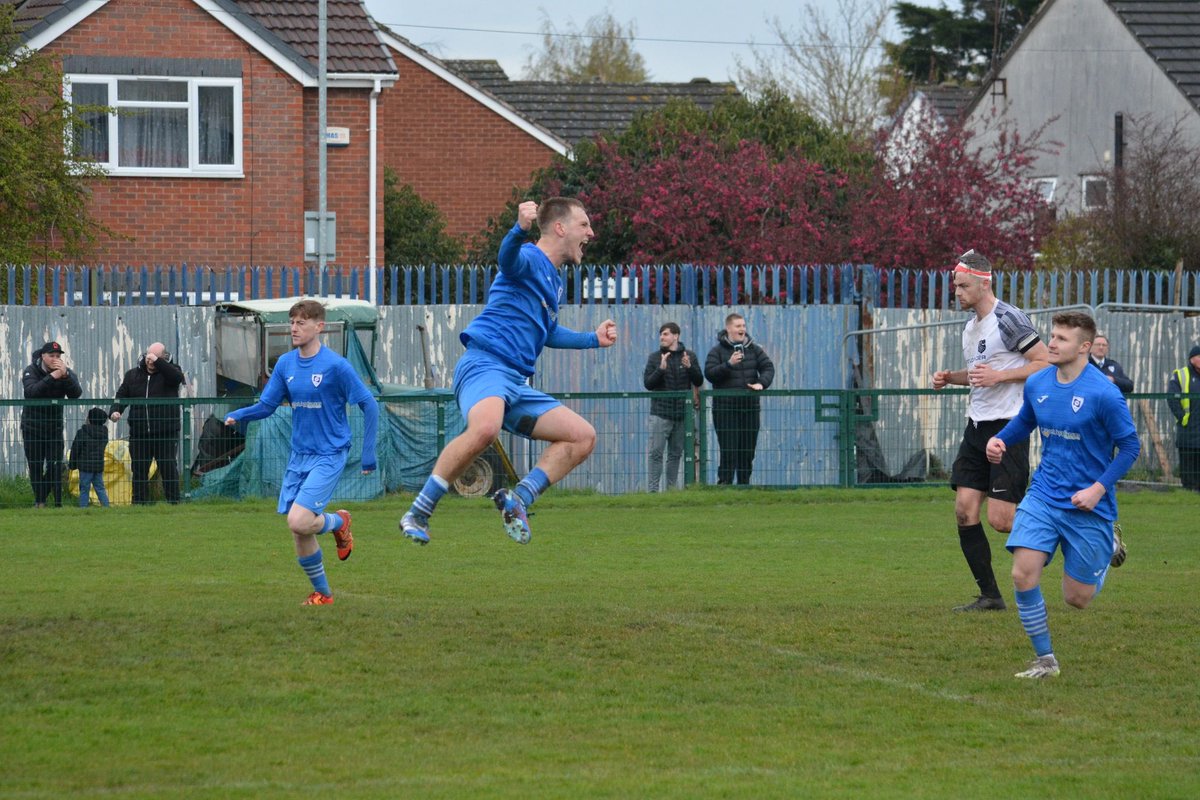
x,y
699,644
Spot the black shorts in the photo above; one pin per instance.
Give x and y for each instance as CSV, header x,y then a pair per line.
x,y
1004,481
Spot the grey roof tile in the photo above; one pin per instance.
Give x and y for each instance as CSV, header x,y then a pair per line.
x,y
948,101
1169,31
575,111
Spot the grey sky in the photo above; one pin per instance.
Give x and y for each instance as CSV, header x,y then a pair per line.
x,y
695,20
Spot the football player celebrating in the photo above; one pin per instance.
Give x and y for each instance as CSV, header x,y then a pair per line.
x,y
491,380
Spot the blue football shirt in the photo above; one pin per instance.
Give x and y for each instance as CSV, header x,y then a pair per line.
x,y
319,389
521,316
1080,422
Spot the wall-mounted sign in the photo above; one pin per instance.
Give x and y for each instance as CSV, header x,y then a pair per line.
x,y
337,137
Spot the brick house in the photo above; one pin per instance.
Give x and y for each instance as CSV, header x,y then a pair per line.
x,y
458,145
218,167
496,132
217,163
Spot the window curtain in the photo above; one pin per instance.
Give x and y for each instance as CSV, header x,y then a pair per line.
x,y
149,135
216,124
91,134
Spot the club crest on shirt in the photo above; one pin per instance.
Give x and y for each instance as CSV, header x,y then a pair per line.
x,y
982,345
316,379
1076,403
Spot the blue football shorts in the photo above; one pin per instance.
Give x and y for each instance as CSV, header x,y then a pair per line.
x,y
310,480
479,375
1085,537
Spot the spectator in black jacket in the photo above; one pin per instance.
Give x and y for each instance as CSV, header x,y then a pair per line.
x,y
87,456
153,429
670,368
737,363
1111,369
42,426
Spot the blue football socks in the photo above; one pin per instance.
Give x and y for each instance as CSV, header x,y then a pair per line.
x,y
332,523
314,568
1031,607
427,499
533,485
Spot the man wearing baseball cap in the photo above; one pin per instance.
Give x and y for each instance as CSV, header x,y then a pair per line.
x,y
46,378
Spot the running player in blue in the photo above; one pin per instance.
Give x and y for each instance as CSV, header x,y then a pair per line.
x,y
319,384
1072,501
491,380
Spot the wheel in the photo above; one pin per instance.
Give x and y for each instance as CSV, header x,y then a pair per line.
x,y
478,480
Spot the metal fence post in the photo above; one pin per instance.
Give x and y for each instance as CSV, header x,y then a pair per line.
x,y
847,464
441,423
185,467
689,444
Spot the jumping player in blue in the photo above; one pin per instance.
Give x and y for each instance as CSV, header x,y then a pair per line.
x,y
319,384
491,380
1072,501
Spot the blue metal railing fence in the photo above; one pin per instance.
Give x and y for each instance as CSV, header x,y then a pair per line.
x,y
687,284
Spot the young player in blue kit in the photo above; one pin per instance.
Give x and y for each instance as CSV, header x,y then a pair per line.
x,y
1072,501
491,380
319,384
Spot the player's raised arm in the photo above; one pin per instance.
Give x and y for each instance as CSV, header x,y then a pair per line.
x,y
510,248
606,334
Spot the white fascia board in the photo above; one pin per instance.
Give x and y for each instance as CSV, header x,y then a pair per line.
x,y
268,50
360,80
64,24
472,91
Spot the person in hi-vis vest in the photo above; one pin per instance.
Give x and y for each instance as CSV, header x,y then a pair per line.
x,y
1184,387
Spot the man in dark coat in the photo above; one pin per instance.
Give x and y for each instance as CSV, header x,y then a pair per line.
x,y
42,426
1111,369
670,368
1184,386
153,429
737,363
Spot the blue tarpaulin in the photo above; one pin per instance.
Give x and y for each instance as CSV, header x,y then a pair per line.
x,y
407,446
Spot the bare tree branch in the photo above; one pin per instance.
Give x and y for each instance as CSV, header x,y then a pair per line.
x,y
828,66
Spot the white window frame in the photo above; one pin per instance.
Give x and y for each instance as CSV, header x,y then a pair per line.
x,y
194,169
1083,190
1039,183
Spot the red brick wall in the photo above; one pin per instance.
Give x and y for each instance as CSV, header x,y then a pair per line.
x,y
347,174
254,220
455,152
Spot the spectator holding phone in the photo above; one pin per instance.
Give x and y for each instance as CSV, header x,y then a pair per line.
x,y
670,368
46,378
737,363
153,429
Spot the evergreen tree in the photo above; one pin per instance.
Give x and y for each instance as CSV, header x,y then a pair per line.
x,y
941,44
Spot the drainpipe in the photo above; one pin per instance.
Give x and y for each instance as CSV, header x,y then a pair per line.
x,y
372,279
322,166
1119,141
